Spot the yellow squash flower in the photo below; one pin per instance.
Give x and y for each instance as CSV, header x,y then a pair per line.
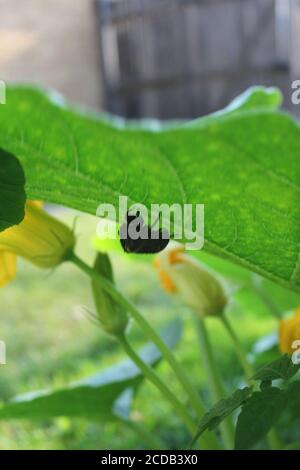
x,y
182,274
39,238
289,331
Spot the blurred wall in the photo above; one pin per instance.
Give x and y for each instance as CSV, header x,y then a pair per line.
x,y
53,43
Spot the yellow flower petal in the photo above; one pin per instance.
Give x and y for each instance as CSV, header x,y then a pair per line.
x,y
39,238
8,267
289,331
167,282
39,204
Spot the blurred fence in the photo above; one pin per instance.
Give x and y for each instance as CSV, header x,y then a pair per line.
x,y
184,58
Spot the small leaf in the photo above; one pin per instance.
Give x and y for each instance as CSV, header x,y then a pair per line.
x,y
12,193
221,410
282,368
258,415
102,396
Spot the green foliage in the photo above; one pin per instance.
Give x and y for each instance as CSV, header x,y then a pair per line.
x,y
239,163
104,396
12,193
221,410
261,411
255,98
282,368
68,347
293,446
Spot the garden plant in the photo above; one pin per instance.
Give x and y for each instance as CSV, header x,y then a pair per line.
x,y
242,163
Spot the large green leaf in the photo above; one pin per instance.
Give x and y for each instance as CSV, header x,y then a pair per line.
x,y
102,396
12,192
263,410
243,164
257,417
255,98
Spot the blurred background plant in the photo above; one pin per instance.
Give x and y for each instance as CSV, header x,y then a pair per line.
x,y
51,342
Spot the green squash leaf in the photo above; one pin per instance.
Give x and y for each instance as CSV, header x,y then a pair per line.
x,y
104,396
221,410
12,192
258,416
255,98
282,368
293,399
242,163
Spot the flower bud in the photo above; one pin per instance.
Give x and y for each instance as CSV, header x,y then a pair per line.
x,y
112,316
182,274
39,238
289,332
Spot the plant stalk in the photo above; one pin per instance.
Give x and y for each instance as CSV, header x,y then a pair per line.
x,y
152,376
272,437
248,371
208,441
262,294
214,379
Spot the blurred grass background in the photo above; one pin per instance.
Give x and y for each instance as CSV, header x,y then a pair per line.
x,y
51,342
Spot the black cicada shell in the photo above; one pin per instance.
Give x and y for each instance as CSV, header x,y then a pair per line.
x,y
146,241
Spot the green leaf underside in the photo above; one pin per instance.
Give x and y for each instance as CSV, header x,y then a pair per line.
x,y
293,399
12,192
221,410
258,416
262,411
243,164
282,368
104,396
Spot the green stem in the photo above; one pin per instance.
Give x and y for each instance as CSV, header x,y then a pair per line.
x,y
214,379
272,437
209,440
152,376
274,440
262,294
239,350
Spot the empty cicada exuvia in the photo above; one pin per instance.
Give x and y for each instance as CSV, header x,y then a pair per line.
x,y
138,237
